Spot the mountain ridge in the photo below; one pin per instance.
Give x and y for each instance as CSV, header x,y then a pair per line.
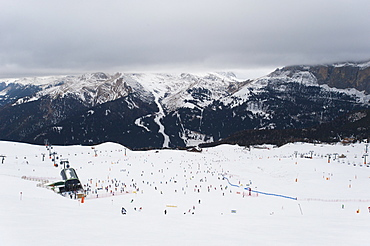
x,y
176,110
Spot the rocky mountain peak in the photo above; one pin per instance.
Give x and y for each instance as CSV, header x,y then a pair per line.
x,y
341,75
170,110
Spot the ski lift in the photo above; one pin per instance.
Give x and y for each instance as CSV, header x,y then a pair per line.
x,y
71,181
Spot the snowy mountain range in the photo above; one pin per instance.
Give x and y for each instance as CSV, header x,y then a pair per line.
x,y
142,110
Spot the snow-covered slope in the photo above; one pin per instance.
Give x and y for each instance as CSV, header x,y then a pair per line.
x,y
175,90
362,65
172,110
176,197
282,77
98,88
172,90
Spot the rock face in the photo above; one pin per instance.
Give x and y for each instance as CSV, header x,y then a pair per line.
x,y
341,76
167,110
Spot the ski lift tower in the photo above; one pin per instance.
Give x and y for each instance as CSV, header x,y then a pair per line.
x,y
311,152
364,156
295,154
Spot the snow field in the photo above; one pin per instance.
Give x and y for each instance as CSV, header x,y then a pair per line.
x,y
201,207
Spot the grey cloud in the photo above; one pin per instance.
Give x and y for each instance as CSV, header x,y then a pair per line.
x,y
43,37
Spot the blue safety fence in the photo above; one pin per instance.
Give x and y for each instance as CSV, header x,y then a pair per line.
x,y
259,192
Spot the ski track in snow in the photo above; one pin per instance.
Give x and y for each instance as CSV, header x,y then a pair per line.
x,y
157,119
139,123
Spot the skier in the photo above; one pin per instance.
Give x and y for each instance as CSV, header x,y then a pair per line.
x,y
123,211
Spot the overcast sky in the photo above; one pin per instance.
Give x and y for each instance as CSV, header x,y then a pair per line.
x,y
250,37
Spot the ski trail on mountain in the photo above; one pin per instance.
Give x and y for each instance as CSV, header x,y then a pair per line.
x,y
140,123
157,119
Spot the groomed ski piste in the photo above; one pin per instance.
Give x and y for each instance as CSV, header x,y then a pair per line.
x,y
297,194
